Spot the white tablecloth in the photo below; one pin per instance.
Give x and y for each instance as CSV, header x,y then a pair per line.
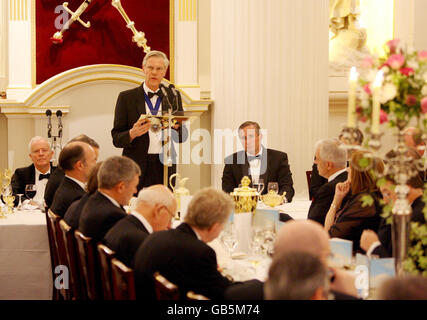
x,y
25,271
297,209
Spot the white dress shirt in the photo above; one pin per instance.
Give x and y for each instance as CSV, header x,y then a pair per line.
x,y
113,201
40,186
144,221
255,166
336,174
81,184
155,145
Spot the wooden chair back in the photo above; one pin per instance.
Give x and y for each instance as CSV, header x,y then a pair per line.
x,y
76,278
105,255
194,296
59,252
88,264
123,281
308,176
165,290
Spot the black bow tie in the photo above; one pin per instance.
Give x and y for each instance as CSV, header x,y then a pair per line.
x,y
44,176
152,94
250,158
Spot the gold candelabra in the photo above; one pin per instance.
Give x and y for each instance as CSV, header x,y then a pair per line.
x,y
6,192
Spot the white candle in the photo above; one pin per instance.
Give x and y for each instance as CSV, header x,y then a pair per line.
x,y
351,112
375,129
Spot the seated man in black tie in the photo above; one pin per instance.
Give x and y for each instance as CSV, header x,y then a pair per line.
x,y
37,173
257,162
331,161
155,208
77,160
58,174
118,178
182,254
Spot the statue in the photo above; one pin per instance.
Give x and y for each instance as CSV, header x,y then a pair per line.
x,y
347,39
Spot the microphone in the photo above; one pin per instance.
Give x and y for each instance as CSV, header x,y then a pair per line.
x,y
175,97
49,123
59,116
165,94
172,87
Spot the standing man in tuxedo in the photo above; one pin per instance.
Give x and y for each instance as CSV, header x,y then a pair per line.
x,y
331,161
257,162
77,160
133,134
38,172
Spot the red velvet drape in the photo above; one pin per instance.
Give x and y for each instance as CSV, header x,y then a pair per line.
x,y
108,40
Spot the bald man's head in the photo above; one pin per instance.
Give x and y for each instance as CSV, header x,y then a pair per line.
x,y
158,206
306,236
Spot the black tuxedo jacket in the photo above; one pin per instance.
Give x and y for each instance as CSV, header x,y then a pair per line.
x,y
72,215
322,200
68,192
183,259
98,216
274,168
52,185
125,237
316,181
23,176
385,250
129,107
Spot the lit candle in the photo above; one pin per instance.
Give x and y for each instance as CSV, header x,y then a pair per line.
x,y
376,106
351,115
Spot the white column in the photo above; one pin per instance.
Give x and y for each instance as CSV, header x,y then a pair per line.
x,y
3,44
20,49
270,65
186,62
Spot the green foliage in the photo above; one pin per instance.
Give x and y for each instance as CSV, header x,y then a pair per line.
x,y
367,200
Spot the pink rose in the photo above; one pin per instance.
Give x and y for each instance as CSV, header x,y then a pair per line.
x,y
367,89
422,56
424,105
392,45
407,71
383,116
411,100
367,63
396,61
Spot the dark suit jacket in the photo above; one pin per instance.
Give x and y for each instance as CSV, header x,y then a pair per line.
x,y
72,215
125,237
129,107
274,168
23,176
52,185
68,192
385,250
322,200
183,259
316,181
98,216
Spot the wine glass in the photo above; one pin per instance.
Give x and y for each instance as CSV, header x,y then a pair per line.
x,y
259,186
269,237
19,207
273,186
229,238
30,191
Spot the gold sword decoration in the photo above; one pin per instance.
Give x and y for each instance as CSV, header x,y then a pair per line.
x,y
75,16
138,36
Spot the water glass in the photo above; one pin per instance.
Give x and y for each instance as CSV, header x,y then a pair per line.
x,y
273,186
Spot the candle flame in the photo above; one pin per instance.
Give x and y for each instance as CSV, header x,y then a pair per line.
x,y
353,74
379,79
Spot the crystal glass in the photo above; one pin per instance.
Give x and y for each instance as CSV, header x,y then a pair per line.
x,y
30,191
259,186
273,186
229,237
267,245
19,207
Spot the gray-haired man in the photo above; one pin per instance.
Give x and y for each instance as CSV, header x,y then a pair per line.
x,y
117,181
331,162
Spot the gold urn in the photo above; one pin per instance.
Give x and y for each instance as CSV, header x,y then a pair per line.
x,y
272,198
245,198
